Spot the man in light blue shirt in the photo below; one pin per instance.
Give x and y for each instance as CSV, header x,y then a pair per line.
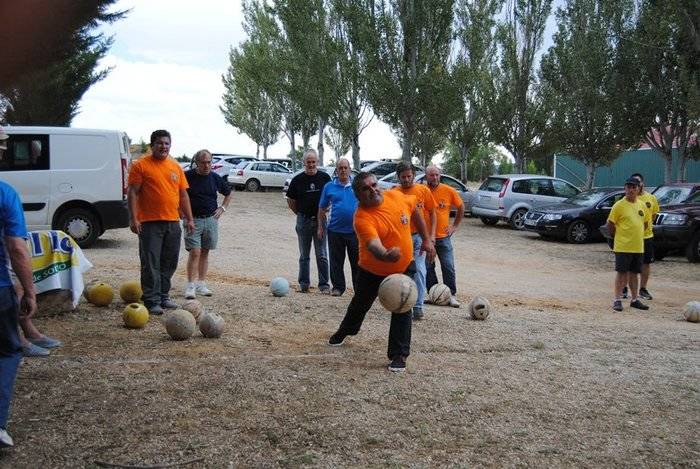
x,y
339,199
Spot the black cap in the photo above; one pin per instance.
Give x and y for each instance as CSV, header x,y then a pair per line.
x,y
632,182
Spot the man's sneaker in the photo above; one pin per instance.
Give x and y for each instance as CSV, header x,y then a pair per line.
x,y
617,305
418,314
203,290
398,364
453,302
5,439
644,293
337,339
639,305
33,350
625,293
155,310
336,292
190,292
169,304
46,342
325,291
303,289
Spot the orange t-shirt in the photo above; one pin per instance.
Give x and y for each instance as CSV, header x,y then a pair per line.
x,y
445,197
161,181
390,222
424,201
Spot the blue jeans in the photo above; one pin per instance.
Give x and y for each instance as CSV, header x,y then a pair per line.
x,y
445,252
10,350
421,271
306,228
338,243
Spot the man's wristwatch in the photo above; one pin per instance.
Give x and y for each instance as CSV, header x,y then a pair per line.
x,y
222,208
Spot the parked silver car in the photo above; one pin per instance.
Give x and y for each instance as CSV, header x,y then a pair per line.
x,y
508,197
252,175
391,180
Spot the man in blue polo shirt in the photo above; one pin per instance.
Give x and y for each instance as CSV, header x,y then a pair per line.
x,y
339,198
203,190
13,233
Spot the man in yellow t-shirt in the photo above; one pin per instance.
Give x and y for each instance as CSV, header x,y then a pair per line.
x,y
386,247
157,194
627,222
651,206
446,198
406,174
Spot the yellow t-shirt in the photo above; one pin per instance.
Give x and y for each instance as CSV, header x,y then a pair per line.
x,y
651,205
390,222
445,198
160,181
424,201
629,218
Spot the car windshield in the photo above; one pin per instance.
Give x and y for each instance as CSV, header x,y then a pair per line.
x,y
587,198
669,195
693,199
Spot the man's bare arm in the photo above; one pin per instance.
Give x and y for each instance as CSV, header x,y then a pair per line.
x,y
378,250
292,204
22,266
132,199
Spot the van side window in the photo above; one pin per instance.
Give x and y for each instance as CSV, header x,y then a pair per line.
x,y
26,153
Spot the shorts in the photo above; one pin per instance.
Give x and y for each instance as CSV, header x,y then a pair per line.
x,y
628,262
648,251
205,234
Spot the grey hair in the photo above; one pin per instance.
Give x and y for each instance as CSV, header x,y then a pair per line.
x,y
343,159
307,152
196,156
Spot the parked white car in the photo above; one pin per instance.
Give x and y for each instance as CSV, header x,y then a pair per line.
x,y
256,174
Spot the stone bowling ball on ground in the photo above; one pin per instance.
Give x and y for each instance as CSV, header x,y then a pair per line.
x,y
279,286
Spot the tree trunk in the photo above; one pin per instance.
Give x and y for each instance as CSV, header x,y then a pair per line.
x,y
683,159
407,140
257,151
590,175
356,150
463,163
264,152
321,149
668,166
292,156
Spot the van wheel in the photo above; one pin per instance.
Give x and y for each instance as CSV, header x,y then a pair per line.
x,y
517,220
693,250
81,224
489,221
578,232
252,185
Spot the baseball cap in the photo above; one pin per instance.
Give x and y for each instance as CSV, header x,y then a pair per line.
x,y
632,182
3,139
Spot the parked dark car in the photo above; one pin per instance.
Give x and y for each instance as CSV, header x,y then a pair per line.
x,y
677,229
675,193
577,218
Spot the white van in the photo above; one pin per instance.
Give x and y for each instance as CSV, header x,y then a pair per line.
x,y
73,180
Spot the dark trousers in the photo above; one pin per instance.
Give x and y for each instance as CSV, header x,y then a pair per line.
x,y
338,244
366,290
159,248
10,350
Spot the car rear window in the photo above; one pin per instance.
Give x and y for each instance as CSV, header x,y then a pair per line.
x,y
492,185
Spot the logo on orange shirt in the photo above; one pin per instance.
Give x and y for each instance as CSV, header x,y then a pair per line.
x,y
420,205
442,204
404,219
173,176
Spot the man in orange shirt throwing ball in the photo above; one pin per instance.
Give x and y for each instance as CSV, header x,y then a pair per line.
x,y
386,247
445,198
157,191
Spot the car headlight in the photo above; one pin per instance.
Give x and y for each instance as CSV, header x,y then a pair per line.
x,y
674,219
552,216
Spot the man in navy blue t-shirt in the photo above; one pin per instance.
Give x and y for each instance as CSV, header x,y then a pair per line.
x,y
339,199
13,233
205,185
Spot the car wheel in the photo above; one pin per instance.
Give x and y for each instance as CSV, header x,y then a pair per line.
x,y
517,220
81,224
578,232
489,221
693,250
252,185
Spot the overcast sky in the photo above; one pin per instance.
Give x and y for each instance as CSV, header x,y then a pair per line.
x,y
167,60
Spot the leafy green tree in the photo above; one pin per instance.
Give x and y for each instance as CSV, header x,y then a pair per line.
x,y
338,142
406,45
49,93
518,117
663,97
248,105
475,29
482,161
579,82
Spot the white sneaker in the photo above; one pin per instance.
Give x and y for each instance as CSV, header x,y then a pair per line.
x,y
453,302
203,290
5,439
190,291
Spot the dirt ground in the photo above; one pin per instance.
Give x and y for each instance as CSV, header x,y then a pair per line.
x,y
552,378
